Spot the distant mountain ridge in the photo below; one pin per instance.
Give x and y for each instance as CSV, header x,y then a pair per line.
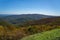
x,y
14,19
21,19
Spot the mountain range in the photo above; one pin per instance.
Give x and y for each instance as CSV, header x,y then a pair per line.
x,y
21,19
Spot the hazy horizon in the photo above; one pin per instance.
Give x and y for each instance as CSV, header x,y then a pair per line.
x,y
46,7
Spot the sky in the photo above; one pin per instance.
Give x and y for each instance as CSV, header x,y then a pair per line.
x,y
47,7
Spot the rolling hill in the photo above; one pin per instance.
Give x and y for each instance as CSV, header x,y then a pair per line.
x,y
21,19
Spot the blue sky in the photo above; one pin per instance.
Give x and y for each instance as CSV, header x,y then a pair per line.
x,y
47,7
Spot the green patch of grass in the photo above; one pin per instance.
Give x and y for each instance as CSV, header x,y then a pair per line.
x,y
49,35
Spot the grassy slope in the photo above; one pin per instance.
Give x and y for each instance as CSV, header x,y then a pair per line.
x,y
49,35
